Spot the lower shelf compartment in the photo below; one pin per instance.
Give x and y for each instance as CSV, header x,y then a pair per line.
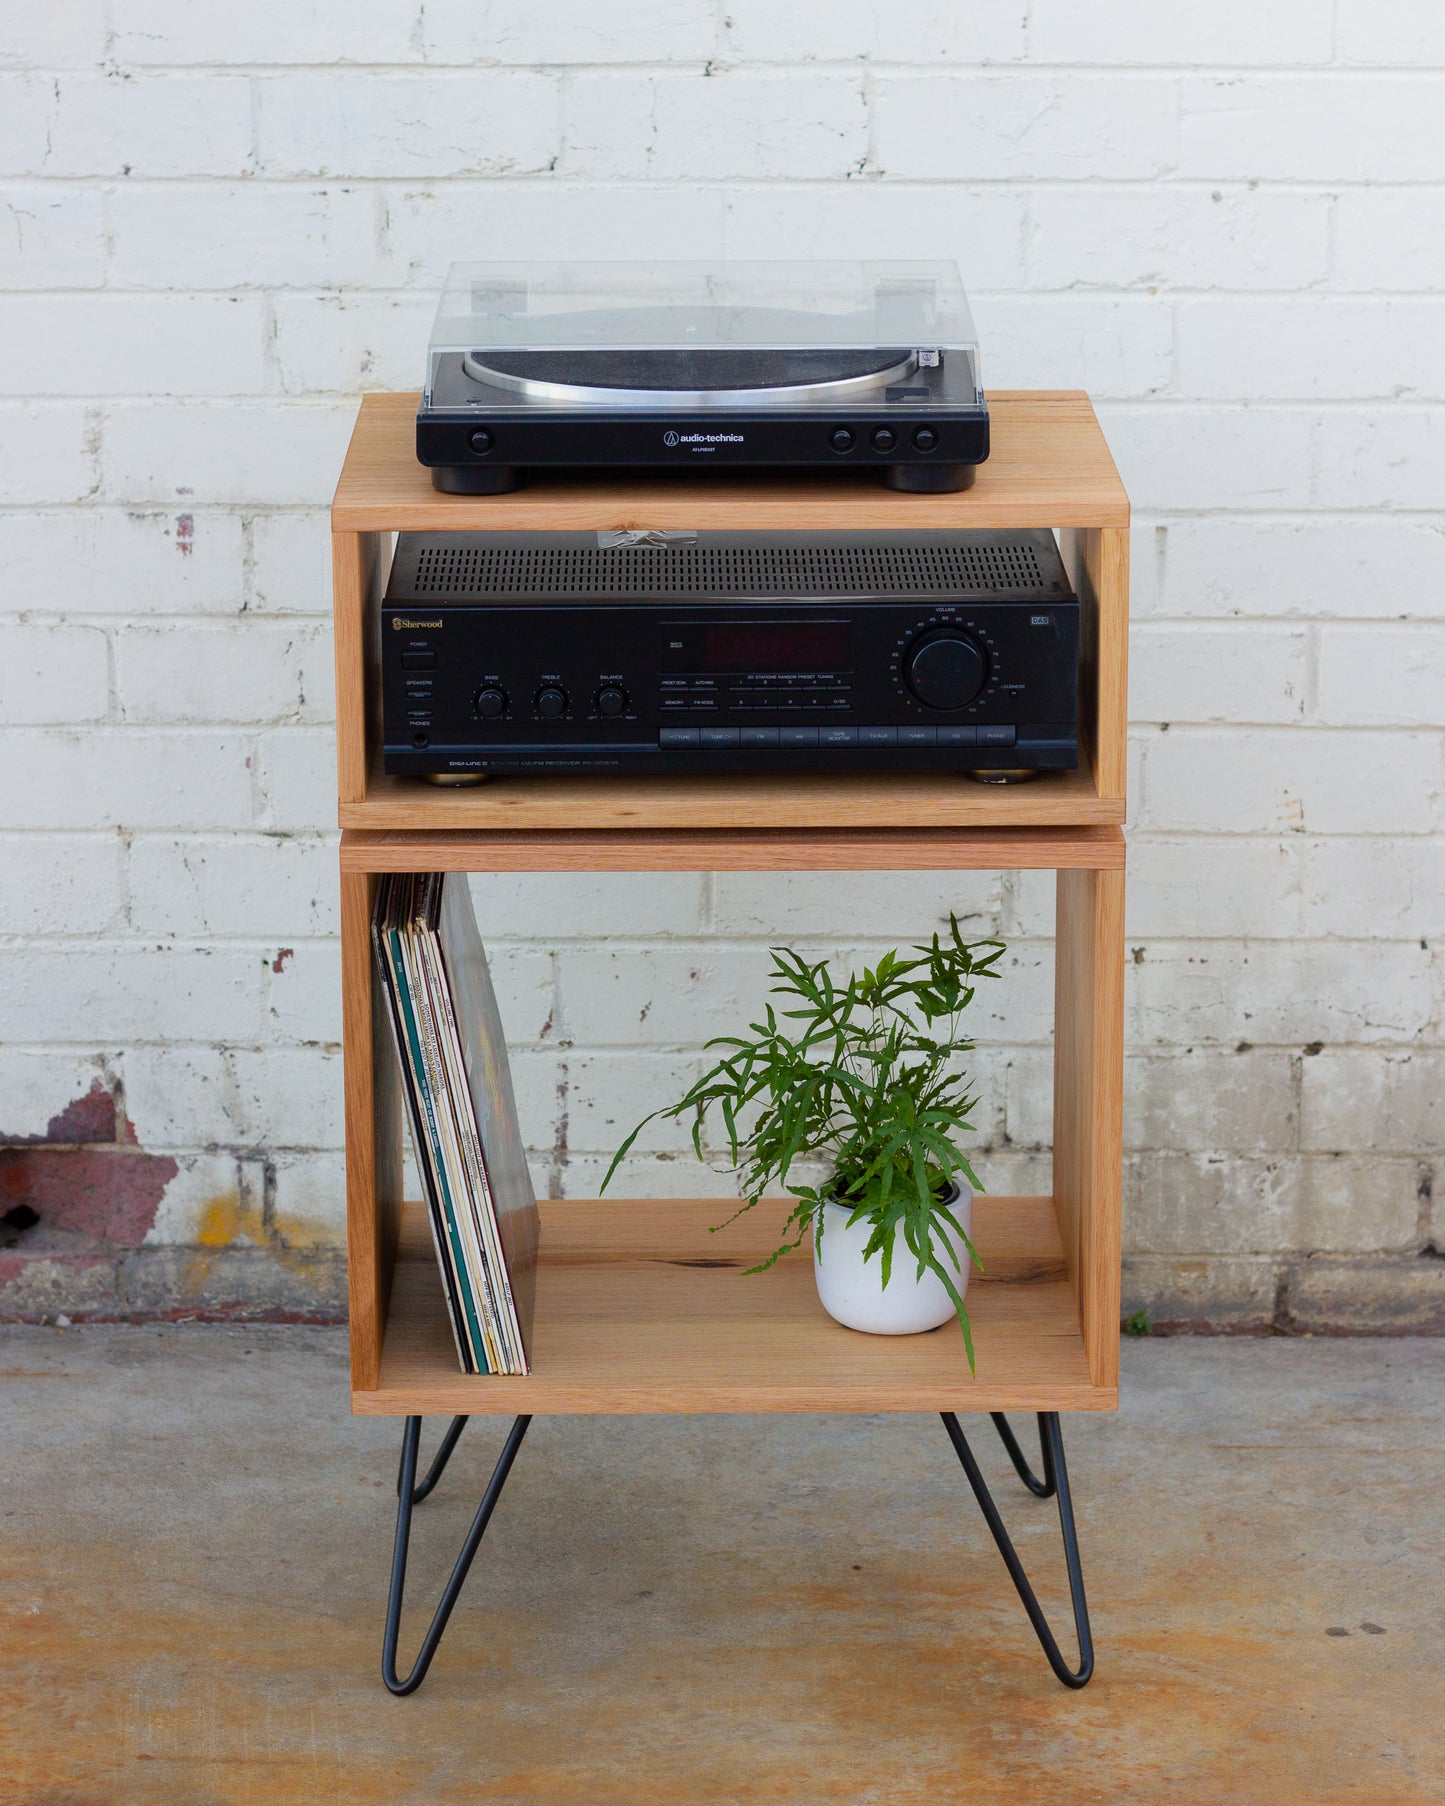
x,y
641,1309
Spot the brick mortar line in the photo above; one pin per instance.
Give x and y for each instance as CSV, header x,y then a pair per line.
x,y
1160,182
720,67
1319,292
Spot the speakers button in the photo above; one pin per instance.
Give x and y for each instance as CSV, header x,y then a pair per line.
x,y
884,438
841,439
490,702
925,439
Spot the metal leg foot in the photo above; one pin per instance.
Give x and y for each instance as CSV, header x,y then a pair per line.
x,y
1055,1471
407,1495
439,1461
1041,1489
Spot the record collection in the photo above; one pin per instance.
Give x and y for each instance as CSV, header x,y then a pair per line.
x,y
462,1112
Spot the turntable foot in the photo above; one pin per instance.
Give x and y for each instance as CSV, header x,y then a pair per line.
x,y
929,479
489,479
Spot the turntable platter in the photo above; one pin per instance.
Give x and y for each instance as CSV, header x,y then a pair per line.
x,y
689,377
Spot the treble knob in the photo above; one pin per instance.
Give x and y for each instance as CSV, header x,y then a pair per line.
x,y
551,702
945,669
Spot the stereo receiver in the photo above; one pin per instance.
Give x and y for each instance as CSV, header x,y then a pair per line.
x,y
728,652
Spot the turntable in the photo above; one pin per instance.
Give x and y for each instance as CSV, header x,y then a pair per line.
x,y
687,366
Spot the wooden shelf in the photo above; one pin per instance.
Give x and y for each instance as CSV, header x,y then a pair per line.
x,y
1083,1218
735,850
625,1322
641,1309
765,800
1049,465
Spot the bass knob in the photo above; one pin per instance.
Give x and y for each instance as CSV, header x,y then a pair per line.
x,y
490,701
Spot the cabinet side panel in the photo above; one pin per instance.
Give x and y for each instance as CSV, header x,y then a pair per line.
x,y
356,564
1097,560
1088,1102
373,1135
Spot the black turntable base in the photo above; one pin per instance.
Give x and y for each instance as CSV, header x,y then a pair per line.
x,y
898,411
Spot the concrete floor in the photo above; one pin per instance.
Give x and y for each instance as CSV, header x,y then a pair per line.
x,y
195,1539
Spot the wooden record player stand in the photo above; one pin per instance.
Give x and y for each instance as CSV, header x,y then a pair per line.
x,y
628,1319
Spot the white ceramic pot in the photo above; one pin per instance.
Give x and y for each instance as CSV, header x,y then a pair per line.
x,y
852,1289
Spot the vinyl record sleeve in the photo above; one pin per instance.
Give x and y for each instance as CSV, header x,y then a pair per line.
x,y
442,1116
464,1146
385,941
484,1050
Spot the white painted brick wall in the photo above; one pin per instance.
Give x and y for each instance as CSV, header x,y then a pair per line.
x,y
217,226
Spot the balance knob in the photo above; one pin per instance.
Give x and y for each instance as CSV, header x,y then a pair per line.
x,y
551,702
612,701
491,702
945,669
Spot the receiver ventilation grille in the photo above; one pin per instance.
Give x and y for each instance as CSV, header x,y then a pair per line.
x,y
460,572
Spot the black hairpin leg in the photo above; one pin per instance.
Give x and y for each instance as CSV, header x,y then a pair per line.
x,y
408,1493
1056,1472
439,1460
1041,1489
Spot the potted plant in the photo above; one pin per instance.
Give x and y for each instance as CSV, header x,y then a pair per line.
x,y
865,1077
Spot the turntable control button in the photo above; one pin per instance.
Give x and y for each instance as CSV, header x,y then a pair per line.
x,y
551,702
481,440
884,438
491,702
841,439
925,439
611,701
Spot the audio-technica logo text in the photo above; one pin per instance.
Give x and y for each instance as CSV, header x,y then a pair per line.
x,y
672,438
400,621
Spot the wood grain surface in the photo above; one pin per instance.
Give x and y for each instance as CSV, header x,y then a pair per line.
x,y
1089,1101
641,1309
371,1089
934,799
1049,466
735,850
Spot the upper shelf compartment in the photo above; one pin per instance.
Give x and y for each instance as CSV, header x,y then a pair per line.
x,y
1049,467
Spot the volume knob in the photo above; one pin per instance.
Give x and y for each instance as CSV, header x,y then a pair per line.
x,y
945,669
